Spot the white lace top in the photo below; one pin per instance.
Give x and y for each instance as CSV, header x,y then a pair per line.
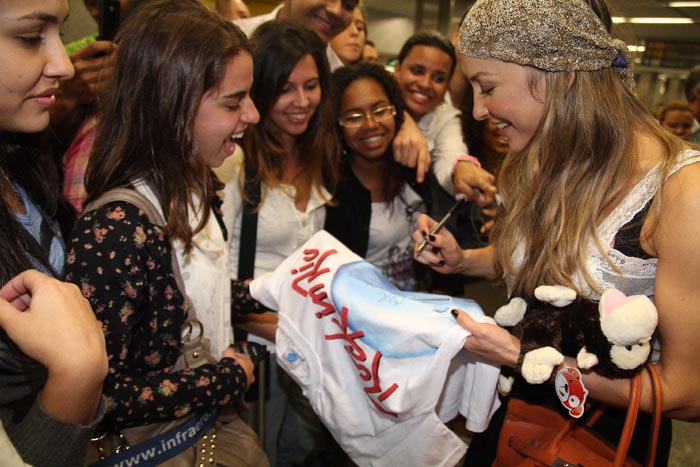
x,y
636,275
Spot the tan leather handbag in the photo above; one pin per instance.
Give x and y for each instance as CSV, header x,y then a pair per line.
x,y
536,435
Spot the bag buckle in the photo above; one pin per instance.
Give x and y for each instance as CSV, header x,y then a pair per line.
x,y
102,454
121,446
191,330
562,463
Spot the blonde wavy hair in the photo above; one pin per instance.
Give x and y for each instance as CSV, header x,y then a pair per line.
x,y
570,176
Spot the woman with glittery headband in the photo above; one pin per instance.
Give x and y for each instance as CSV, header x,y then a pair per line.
x,y
595,193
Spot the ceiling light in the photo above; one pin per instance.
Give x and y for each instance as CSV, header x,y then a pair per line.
x,y
684,4
651,20
636,48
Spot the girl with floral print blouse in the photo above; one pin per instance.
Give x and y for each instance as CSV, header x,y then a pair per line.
x,y
168,118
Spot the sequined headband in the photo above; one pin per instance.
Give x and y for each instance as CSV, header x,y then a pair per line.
x,y
552,35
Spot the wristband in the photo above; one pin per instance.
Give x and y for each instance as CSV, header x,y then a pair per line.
x,y
465,158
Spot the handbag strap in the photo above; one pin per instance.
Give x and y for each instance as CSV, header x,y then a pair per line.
x,y
135,197
630,420
548,458
658,403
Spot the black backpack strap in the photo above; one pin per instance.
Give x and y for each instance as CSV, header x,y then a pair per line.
x,y
249,235
46,235
249,226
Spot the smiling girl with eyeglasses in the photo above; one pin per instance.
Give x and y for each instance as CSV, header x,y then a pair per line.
x,y
377,200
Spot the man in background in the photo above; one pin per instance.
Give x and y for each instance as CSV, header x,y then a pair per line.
x,y
327,18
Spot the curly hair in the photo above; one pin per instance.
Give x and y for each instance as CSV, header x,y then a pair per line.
x,y
342,78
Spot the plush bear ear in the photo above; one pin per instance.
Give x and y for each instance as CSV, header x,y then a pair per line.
x,y
611,300
626,320
556,295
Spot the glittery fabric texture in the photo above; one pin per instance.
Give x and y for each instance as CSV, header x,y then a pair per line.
x,y
552,35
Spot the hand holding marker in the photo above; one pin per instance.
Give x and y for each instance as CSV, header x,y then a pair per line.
x,y
461,201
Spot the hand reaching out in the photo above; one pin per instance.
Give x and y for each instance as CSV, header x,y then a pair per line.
x,y
244,362
94,65
444,255
475,182
411,148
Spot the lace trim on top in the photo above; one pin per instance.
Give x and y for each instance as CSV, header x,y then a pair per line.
x,y
638,274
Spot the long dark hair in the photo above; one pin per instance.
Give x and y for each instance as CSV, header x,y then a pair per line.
x,y
473,132
342,78
277,48
26,160
170,53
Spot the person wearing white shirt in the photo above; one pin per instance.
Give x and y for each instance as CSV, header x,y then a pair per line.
x,y
290,156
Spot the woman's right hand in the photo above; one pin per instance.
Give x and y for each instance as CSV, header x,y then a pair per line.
x,y
443,253
244,362
51,322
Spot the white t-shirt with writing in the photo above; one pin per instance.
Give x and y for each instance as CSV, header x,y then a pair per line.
x,y
382,368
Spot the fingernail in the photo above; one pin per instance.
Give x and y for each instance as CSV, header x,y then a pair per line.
x,y
442,262
431,238
425,234
454,313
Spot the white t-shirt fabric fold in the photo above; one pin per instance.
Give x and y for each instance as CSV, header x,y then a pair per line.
x,y
383,368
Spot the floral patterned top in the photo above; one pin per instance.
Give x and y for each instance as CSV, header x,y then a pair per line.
x,y
122,263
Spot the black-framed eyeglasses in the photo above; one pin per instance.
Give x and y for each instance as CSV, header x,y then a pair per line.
x,y
356,119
